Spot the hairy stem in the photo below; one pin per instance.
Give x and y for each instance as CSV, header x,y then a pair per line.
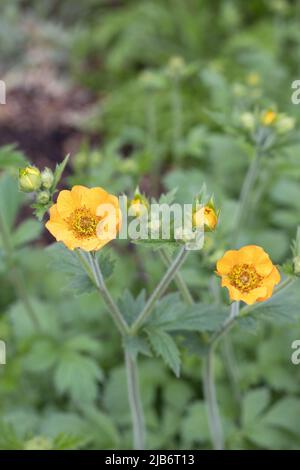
x,y
93,270
180,283
136,408
160,289
112,306
210,394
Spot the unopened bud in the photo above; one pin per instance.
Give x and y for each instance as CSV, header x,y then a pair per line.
x,y
29,179
43,197
47,178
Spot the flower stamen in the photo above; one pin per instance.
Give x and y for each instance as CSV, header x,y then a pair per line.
x,y
245,277
83,223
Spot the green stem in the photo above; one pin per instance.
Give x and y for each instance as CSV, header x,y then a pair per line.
x,y
93,270
112,306
209,383
244,195
160,289
135,402
17,276
180,283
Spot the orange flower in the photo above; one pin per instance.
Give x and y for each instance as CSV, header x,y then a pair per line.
x,y
84,218
268,117
207,216
248,274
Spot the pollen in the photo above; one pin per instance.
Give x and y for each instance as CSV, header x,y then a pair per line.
x,y
83,223
245,277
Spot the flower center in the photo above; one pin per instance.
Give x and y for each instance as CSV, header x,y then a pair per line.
x,y
244,277
83,223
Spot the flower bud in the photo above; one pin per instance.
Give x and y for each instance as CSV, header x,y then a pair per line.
x,y
43,197
285,124
29,179
176,67
248,121
269,117
47,178
207,216
138,207
296,262
38,443
151,81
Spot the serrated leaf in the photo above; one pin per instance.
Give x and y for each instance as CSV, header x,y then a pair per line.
x,y
281,308
67,262
165,347
285,414
83,343
78,376
135,345
42,356
130,306
59,169
65,441
254,403
171,314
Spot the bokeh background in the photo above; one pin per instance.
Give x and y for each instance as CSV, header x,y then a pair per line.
x,y
147,93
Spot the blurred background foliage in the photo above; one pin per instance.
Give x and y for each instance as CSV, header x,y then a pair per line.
x,y
149,93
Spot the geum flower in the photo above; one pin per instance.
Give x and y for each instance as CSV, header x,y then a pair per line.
x,y
248,274
86,218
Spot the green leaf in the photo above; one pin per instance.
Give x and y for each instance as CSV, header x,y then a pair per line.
x,y
135,345
11,158
10,200
254,404
78,376
130,306
281,308
65,441
66,261
195,425
165,347
171,314
58,172
27,232
106,263
42,355
285,414
83,343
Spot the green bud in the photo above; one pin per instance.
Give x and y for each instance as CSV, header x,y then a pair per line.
x,y
29,179
43,197
176,67
38,443
296,262
47,178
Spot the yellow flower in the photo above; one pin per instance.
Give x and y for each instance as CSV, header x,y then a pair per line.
x,y
29,179
248,274
208,216
77,216
268,117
